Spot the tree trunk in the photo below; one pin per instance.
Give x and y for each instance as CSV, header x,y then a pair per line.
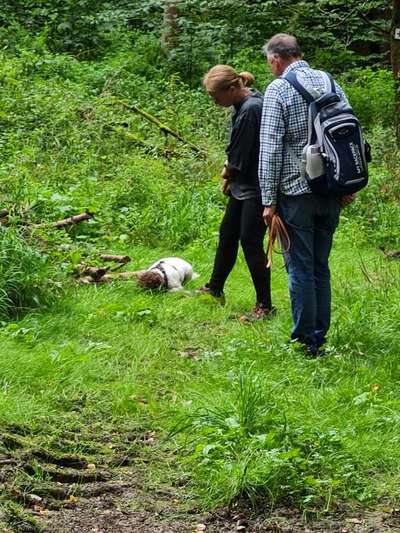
x,y
395,59
169,36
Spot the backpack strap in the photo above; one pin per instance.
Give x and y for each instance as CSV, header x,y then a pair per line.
x,y
310,95
294,82
328,80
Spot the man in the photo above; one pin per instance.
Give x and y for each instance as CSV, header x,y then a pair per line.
x,y
310,219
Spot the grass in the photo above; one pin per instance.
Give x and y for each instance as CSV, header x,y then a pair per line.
x,y
268,423
236,411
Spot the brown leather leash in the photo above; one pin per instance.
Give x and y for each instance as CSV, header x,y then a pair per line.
x,y
277,232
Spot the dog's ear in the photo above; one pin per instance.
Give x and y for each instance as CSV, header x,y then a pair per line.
x,y
150,280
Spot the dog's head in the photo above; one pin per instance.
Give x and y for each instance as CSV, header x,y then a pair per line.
x,y
150,280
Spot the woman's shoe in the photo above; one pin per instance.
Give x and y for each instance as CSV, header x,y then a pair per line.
x,y
259,312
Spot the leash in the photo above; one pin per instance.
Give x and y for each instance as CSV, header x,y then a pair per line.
x,y
277,232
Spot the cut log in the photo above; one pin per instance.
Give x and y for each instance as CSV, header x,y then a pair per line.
x,y
105,278
65,222
96,273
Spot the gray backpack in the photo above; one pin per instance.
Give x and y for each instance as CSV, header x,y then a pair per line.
x,y
336,156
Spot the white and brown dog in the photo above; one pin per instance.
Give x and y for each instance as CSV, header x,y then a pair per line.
x,y
170,273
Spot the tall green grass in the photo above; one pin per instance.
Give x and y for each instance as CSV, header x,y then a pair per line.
x,y
25,275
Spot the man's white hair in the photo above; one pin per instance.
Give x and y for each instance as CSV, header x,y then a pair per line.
x,y
283,45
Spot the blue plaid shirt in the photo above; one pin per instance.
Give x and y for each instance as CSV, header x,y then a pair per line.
x,y
284,123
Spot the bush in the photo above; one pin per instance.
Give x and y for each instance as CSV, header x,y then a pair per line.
x,y
86,31
371,94
375,213
24,275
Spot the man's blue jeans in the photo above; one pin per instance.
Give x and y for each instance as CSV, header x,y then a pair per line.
x,y
311,221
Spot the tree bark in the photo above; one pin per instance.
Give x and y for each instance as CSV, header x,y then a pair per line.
x,y
169,37
395,59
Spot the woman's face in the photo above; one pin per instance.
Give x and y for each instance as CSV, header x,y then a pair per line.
x,y
224,98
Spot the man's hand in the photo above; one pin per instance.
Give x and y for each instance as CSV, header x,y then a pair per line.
x,y
225,187
346,200
268,214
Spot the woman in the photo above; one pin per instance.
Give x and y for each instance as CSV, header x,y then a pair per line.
x,y
243,219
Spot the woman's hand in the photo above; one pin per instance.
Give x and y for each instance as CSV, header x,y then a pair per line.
x,y
225,187
225,174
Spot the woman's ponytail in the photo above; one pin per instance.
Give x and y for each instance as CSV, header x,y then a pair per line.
x,y
247,78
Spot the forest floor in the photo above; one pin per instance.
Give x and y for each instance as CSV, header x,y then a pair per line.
x,y
115,495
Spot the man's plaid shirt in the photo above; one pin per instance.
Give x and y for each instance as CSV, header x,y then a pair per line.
x,y
284,123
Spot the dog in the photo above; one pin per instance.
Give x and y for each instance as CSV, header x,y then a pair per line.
x,y
170,273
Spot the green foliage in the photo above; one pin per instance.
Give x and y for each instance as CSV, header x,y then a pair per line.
x,y
206,32
371,94
257,419
24,275
375,214
85,29
215,31
244,446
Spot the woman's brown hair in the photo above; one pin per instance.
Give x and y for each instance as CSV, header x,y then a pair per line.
x,y
221,77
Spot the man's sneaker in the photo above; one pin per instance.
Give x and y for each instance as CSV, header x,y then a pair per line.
x,y
311,351
205,289
259,312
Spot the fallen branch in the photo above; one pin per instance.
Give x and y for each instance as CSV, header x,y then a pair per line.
x,y
107,278
130,275
138,141
124,259
65,222
163,127
95,273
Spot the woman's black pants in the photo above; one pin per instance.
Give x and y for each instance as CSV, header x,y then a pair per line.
x,y
242,222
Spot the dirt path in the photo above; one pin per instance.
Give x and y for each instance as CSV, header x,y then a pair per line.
x,y
107,491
